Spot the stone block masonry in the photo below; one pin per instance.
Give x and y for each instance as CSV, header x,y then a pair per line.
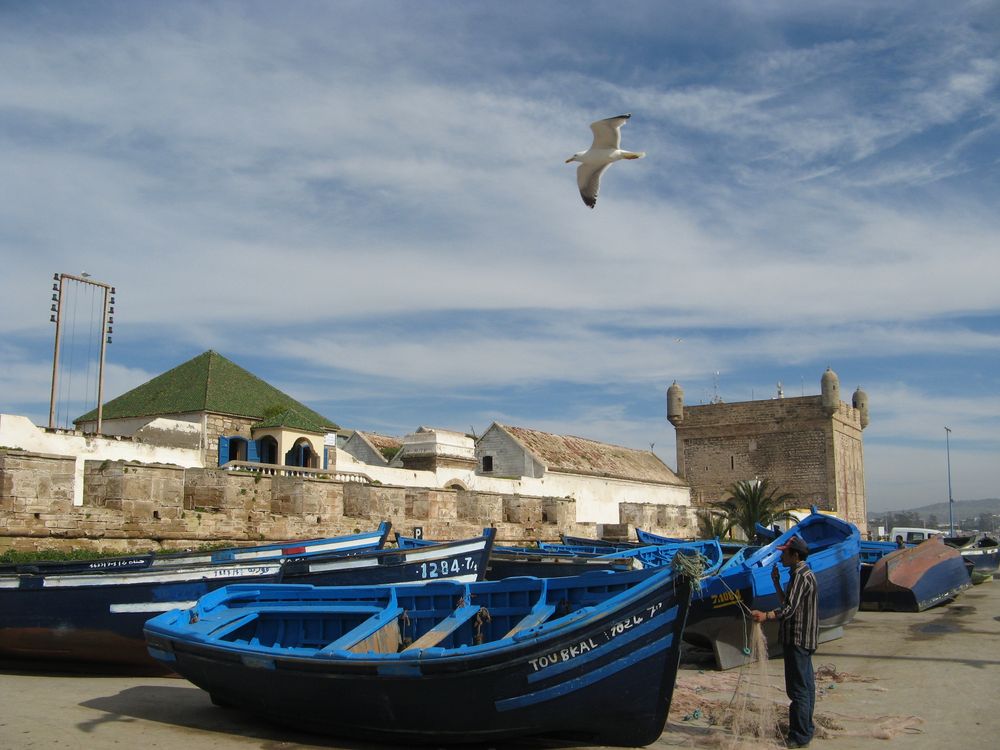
x,y
132,506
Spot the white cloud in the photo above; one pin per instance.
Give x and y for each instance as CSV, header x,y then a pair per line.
x,y
303,183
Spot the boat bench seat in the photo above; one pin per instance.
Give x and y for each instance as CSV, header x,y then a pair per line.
x,y
444,628
538,614
366,631
234,625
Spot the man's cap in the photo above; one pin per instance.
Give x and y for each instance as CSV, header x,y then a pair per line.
x,y
797,544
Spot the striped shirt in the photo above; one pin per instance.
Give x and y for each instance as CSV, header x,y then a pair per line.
x,y
799,615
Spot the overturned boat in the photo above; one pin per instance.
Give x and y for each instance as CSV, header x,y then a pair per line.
x,y
592,657
916,578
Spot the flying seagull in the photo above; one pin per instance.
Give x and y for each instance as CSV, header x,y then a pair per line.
x,y
605,149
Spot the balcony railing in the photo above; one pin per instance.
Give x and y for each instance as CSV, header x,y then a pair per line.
x,y
280,470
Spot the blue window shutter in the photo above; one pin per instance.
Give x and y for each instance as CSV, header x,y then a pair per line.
x,y
252,454
326,458
223,451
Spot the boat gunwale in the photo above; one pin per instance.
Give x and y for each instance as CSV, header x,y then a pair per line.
x,y
534,638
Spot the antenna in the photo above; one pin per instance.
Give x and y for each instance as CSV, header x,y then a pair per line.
x,y
716,399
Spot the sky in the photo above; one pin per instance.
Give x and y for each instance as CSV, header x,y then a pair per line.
x,y
366,204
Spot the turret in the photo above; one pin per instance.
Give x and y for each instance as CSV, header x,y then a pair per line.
x,y
675,404
830,392
860,402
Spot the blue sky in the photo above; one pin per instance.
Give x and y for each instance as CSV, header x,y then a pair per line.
x,y
366,205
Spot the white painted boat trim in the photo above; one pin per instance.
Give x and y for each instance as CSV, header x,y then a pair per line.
x,y
141,578
428,554
121,609
347,564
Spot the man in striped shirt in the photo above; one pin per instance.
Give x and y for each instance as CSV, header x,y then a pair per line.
x,y
798,616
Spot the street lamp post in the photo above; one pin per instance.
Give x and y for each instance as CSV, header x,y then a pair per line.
x,y
951,517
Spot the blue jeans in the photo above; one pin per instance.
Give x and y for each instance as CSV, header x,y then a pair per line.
x,y
800,687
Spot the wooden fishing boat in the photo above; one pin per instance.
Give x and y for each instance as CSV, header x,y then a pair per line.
x,y
148,561
719,617
729,547
508,562
581,541
649,538
981,550
465,560
708,552
98,616
916,578
592,657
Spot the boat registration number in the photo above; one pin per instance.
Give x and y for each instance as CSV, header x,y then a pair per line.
x,y
618,628
445,568
726,599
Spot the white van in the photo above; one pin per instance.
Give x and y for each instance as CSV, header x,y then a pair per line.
x,y
912,534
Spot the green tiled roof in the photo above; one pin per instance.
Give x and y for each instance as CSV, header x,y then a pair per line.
x,y
209,382
291,419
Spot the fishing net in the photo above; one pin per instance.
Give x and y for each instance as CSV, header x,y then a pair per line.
x,y
747,707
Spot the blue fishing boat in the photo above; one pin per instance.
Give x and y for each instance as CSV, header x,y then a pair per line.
x,y
581,541
592,658
508,562
149,561
648,538
97,616
465,560
981,550
916,578
719,617
579,550
709,553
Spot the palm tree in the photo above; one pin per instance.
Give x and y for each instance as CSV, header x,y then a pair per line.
x,y
713,524
754,501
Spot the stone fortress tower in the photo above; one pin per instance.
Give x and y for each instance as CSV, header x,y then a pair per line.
x,y
809,446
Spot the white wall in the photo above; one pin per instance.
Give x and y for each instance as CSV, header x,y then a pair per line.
x,y
597,498
19,432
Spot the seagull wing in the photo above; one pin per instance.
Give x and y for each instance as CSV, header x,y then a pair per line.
x,y
588,177
608,132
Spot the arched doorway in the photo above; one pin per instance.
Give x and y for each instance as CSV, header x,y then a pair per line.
x,y
301,454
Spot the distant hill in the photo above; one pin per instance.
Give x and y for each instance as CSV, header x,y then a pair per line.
x,y
961,510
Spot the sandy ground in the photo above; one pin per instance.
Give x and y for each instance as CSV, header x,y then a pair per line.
x,y
926,680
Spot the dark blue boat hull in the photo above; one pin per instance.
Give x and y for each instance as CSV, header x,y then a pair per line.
x,y
99,617
607,680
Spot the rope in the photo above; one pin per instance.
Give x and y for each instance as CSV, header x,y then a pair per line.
x,y
405,640
692,566
482,617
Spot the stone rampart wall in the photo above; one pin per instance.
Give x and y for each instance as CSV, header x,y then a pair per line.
x,y
132,506
765,411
